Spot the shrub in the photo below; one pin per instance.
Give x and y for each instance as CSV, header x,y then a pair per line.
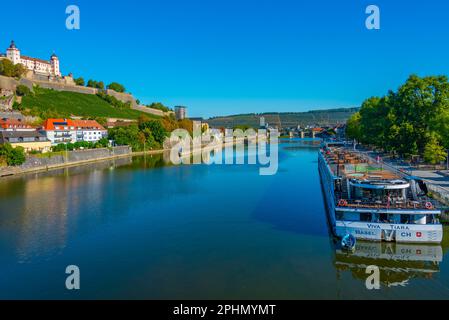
x,y
117,87
156,129
80,81
22,90
13,156
127,136
158,106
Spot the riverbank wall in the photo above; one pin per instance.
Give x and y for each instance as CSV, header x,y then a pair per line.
x,y
66,159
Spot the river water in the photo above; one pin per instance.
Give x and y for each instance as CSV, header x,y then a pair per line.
x,y
141,229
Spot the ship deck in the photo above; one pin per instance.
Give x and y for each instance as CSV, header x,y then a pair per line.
x,y
354,166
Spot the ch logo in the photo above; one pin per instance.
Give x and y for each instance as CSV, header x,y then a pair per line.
x,y
73,281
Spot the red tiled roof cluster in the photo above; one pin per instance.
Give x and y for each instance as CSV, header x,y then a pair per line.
x,y
14,124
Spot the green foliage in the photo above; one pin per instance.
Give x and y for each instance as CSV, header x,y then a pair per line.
x,y
243,127
100,85
103,143
8,69
158,106
434,153
81,145
409,121
114,101
117,87
147,135
95,84
170,124
47,103
154,129
129,135
13,156
80,81
186,124
22,90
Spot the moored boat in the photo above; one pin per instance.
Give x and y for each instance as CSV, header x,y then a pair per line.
x,y
372,203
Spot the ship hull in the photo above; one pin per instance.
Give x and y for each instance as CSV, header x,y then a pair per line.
x,y
390,232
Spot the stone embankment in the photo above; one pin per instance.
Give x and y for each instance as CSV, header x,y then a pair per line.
x,y
66,159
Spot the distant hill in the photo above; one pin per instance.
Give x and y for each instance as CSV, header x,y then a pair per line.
x,y
50,103
286,119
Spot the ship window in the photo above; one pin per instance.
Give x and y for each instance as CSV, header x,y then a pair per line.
x,y
366,217
405,219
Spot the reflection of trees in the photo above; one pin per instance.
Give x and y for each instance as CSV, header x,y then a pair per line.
x,y
41,210
151,161
46,203
42,228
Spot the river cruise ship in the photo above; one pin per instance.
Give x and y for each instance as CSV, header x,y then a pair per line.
x,y
373,203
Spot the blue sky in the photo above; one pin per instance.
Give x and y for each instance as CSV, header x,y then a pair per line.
x,y
222,57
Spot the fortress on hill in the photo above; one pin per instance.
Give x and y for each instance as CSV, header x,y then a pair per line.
x,y
47,74
40,67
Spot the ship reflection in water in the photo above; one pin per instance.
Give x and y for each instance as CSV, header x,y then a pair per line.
x,y
398,263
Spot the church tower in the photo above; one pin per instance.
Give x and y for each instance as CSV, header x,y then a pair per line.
x,y
13,53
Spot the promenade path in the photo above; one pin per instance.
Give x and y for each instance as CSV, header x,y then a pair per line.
x,y
437,179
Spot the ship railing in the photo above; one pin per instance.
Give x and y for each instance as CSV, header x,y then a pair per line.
x,y
407,205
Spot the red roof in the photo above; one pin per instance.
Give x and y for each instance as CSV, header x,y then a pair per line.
x,y
35,59
14,124
50,124
87,124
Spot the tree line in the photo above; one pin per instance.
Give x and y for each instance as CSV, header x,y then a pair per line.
x,y
148,134
412,121
117,87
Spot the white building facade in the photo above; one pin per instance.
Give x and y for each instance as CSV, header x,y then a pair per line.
x,y
60,131
89,131
47,68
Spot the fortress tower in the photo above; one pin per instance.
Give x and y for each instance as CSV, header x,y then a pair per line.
x,y
13,53
54,61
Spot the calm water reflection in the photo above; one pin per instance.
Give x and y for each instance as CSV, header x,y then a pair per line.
x,y
140,229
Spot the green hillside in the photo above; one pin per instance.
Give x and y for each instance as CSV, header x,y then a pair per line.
x,y
287,119
47,103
